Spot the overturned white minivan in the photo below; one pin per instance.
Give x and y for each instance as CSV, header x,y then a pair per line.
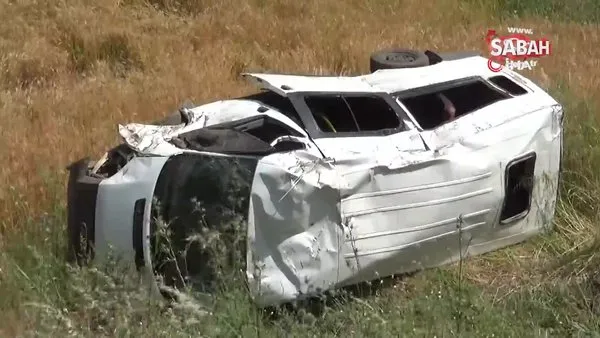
x,y
344,179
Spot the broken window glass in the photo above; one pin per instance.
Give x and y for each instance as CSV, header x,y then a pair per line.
x,y
340,113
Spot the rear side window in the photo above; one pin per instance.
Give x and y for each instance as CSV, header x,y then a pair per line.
x,y
340,113
519,182
433,108
507,84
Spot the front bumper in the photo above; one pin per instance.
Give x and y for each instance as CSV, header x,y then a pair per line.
x,y
82,193
110,215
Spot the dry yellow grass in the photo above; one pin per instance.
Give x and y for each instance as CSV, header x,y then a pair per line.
x,y
71,70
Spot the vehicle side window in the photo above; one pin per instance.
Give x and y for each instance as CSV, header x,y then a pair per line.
x,y
331,113
373,113
340,113
438,107
507,84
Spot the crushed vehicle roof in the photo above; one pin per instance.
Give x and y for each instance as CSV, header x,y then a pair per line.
x,y
383,80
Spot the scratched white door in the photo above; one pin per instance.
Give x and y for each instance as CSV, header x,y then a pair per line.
x,y
407,218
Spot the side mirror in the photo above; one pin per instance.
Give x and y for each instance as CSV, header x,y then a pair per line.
x,y
289,143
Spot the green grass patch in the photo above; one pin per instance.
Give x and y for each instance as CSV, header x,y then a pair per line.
x,y
59,300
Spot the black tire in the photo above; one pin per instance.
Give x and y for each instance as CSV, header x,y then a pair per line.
x,y
398,58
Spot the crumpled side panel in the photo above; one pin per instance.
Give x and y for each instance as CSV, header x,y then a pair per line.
x,y
154,139
406,218
315,225
295,233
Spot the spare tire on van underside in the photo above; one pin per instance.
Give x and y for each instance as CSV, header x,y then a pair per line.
x,y
398,58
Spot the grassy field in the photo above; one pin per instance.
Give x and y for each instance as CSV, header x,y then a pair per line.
x,y
71,70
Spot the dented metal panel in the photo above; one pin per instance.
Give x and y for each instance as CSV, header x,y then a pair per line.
x,y
154,140
295,230
317,225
